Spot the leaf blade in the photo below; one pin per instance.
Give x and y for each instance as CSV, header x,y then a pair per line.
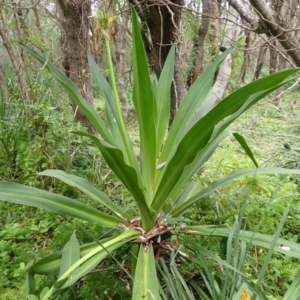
x,y
127,174
198,137
145,106
245,146
194,98
70,254
176,211
24,195
86,188
145,284
72,90
283,246
163,98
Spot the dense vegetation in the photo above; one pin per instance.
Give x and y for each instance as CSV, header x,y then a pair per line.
x,y
28,234
169,202
41,139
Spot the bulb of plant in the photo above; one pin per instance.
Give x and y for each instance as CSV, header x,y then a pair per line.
x,y
160,183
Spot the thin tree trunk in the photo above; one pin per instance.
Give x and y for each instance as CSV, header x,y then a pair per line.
x,y
178,90
245,67
199,44
38,22
273,57
222,80
15,59
4,96
281,66
260,61
213,34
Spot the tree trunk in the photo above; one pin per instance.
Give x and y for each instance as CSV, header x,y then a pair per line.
x,y
245,67
199,43
273,57
213,34
260,61
75,44
14,57
38,22
4,96
222,80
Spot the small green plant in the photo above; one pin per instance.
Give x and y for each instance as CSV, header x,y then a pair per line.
x,y
159,182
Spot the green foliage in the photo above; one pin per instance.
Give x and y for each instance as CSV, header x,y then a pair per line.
x,y
158,182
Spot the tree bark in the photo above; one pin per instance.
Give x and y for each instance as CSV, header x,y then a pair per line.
x,y
120,42
260,61
265,20
199,43
75,44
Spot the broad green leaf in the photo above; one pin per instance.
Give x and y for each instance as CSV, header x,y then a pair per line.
x,y
192,189
91,263
188,149
86,263
253,92
192,101
176,211
198,162
263,240
163,98
198,136
116,121
244,144
70,254
51,263
29,285
44,292
110,107
86,188
25,195
134,251
238,102
72,90
128,175
105,88
146,110
145,284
